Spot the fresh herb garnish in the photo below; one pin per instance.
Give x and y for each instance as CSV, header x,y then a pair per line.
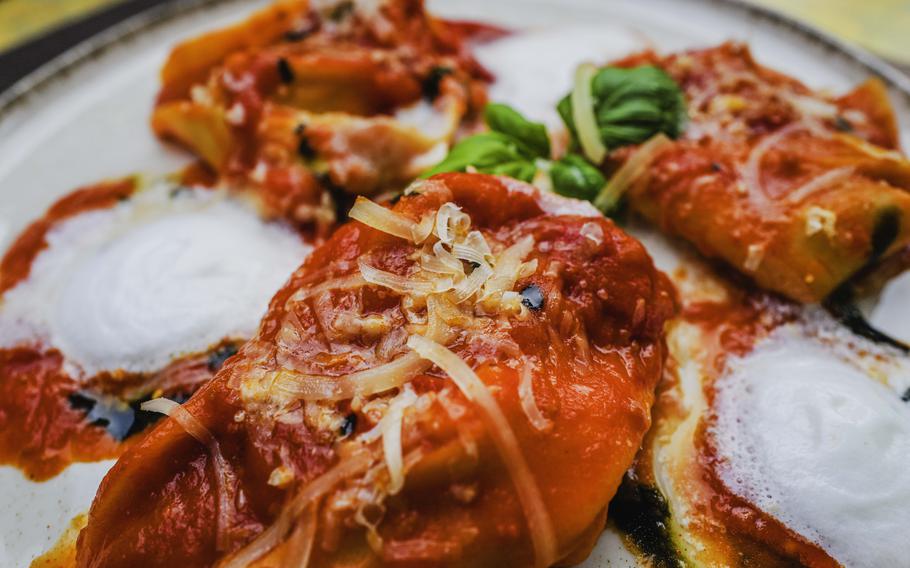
x,y
631,105
627,106
518,148
532,135
574,176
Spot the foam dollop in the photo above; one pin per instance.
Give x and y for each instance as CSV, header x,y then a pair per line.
x,y
154,278
810,439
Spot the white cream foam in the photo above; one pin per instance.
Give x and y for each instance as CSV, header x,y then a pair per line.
x,y
892,313
813,441
153,278
534,69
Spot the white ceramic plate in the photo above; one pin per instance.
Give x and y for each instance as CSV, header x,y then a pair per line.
x,y
84,117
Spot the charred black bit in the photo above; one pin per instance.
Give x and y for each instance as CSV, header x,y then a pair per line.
x,y
348,426
840,304
642,513
906,396
341,11
342,199
887,227
120,419
430,86
80,401
285,71
305,150
532,297
716,167
396,198
842,124
142,419
220,355
302,32
474,264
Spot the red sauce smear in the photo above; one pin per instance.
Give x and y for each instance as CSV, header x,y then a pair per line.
x,y
42,428
40,431
737,325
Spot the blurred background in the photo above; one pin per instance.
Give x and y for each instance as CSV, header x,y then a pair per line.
x,y
882,26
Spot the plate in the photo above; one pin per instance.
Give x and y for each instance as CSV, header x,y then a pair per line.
x,y
84,117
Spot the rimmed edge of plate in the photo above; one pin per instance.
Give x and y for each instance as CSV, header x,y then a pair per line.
x,y
87,50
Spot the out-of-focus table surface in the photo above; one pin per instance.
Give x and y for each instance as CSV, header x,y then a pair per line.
x,y
883,26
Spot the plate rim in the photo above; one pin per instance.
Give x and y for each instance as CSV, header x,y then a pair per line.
x,y
83,52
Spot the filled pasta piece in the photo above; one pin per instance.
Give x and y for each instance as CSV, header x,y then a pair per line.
x,y
459,380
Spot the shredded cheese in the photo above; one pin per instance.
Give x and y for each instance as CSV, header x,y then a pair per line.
x,y
540,526
754,256
820,182
403,284
820,220
636,166
360,384
315,489
376,216
225,479
301,540
391,426
528,402
456,277
584,116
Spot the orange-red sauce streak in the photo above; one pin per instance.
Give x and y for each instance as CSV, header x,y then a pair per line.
x,y
40,432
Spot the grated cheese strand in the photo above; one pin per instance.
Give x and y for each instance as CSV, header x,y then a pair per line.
x,y
584,116
382,219
539,524
225,479
528,403
301,540
314,490
359,384
391,426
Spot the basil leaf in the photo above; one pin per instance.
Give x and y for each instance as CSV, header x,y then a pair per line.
x,y
574,176
632,105
489,152
533,135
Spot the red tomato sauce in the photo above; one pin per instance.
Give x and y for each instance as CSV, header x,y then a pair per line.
x,y
49,419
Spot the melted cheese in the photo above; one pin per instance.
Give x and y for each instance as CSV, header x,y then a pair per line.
x,y
813,441
156,277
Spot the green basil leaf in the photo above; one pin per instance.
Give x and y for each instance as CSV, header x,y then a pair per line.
x,y
489,152
503,118
524,171
574,176
632,105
